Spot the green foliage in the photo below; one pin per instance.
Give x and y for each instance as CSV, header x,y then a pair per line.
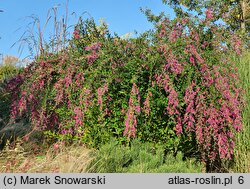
x,y
235,13
173,86
139,158
7,71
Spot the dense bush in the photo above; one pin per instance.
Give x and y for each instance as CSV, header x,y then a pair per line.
x,y
7,71
7,130
173,86
139,158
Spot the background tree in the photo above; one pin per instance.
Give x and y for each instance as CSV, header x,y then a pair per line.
x,y
235,13
10,60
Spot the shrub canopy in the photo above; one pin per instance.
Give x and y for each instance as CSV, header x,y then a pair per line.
x,y
174,85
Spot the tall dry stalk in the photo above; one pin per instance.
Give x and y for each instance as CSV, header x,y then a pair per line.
x,y
35,35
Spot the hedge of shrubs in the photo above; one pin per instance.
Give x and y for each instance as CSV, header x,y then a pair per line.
x,y
173,86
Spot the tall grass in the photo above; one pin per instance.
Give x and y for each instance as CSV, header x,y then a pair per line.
x,y
242,150
37,38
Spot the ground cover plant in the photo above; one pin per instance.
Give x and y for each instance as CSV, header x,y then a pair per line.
x,y
174,87
140,158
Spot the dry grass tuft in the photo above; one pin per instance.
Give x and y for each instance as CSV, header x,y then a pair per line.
x,y
71,159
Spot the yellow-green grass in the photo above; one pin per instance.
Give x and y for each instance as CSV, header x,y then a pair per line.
x,y
72,159
242,149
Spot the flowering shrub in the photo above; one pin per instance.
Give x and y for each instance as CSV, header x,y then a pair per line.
x,y
6,73
174,86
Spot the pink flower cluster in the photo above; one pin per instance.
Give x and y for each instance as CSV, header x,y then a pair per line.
x,y
209,14
79,80
65,131
22,104
174,65
163,26
146,104
173,102
76,34
86,99
190,108
213,124
58,86
230,102
176,32
100,92
93,56
78,117
172,109
213,121
195,57
236,44
68,79
13,87
93,47
133,110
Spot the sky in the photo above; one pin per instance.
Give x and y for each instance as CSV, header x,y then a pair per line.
x,y
122,16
